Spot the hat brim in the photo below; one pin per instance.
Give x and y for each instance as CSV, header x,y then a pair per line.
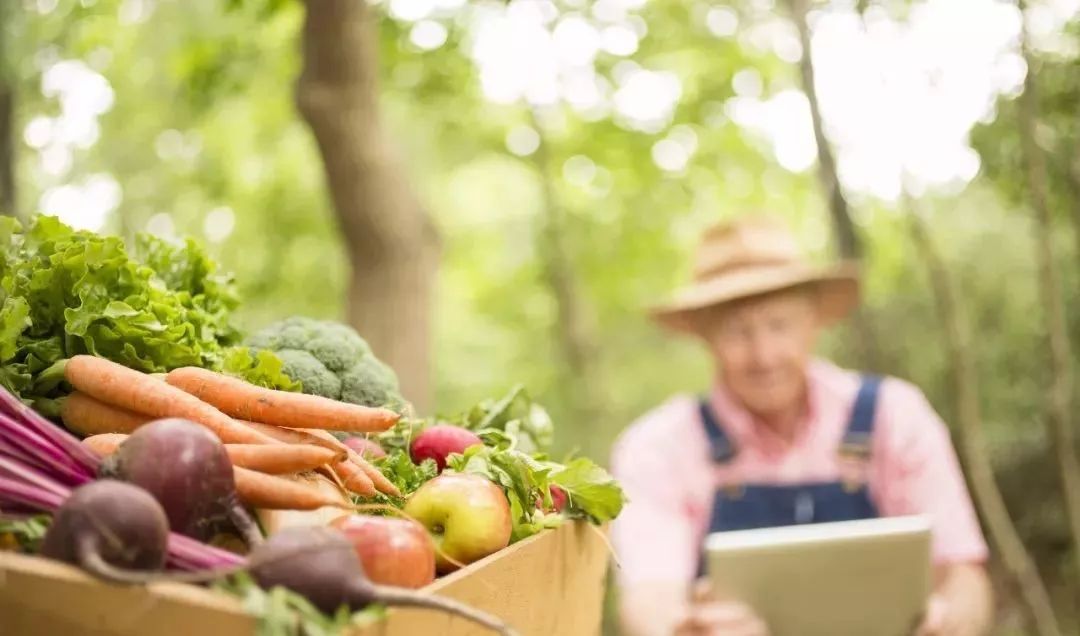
x,y
836,289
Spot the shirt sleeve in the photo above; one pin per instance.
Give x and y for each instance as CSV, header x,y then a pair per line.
x,y
919,474
654,536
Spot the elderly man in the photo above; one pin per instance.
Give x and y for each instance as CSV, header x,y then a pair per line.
x,y
781,438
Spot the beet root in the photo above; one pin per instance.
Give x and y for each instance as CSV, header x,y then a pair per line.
x,y
109,528
187,469
321,564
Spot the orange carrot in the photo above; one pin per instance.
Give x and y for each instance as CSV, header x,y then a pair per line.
x,y
249,402
280,458
120,386
84,415
291,435
382,484
104,444
279,493
324,438
354,479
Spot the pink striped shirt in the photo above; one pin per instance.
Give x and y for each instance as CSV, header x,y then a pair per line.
x,y
663,463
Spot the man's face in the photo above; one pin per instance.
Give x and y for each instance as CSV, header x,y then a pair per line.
x,y
763,346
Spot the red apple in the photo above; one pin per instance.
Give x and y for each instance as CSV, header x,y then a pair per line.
x,y
468,517
394,551
439,441
367,448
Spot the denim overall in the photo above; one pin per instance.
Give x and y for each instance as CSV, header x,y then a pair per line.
x,y
748,506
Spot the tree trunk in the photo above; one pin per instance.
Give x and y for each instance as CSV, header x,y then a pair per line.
x,y
574,328
848,243
847,238
1073,176
1006,540
1059,395
392,246
7,149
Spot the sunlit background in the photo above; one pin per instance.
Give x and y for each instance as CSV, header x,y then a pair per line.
x,y
637,123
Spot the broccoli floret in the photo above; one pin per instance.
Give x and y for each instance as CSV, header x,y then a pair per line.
x,y
371,383
313,375
332,360
338,354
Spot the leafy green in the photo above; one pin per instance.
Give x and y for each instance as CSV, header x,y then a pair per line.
x,y
590,490
24,533
257,366
516,414
65,292
407,476
281,612
526,479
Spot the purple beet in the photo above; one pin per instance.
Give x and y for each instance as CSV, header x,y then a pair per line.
x,y
107,528
321,565
187,469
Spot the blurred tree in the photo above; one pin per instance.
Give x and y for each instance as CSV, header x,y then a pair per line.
x,y
7,113
969,426
392,246
1059,393
574,325
848,243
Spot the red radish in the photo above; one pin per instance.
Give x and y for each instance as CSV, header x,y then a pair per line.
x,y
439,441
558,498
367,448
394,551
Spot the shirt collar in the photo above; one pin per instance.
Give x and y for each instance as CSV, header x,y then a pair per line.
x,y
743,426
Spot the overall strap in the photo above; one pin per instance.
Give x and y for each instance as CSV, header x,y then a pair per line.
x,y
720,447
857,438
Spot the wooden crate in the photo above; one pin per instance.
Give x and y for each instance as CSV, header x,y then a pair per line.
x,y
552,583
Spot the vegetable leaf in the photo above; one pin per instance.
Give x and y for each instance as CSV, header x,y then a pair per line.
x,y
258,366
23,534
406,475
517,415
282,612
155,308
591,490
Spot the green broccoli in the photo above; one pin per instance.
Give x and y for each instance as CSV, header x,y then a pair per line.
x,y
314,377
373,383
332,360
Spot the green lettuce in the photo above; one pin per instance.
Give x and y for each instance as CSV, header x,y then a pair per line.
x,y
65,292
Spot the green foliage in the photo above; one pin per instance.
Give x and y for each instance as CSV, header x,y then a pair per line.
x,y
23,533
68,292
203,118
515,414
281,612
407,476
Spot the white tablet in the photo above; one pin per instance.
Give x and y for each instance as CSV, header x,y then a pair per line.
x,y
851,578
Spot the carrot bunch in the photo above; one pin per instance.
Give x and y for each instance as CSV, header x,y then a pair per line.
x,y
275,439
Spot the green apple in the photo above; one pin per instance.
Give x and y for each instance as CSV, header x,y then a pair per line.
x,y
467,515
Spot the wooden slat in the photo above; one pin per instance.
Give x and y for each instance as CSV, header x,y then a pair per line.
x,y
552,583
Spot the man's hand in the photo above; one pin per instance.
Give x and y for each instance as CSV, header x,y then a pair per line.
x,y
935,620
708,615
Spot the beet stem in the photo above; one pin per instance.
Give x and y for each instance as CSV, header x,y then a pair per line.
x,y
91,561
399,597
240,518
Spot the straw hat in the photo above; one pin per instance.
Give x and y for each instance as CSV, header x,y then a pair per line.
x,y
752,256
